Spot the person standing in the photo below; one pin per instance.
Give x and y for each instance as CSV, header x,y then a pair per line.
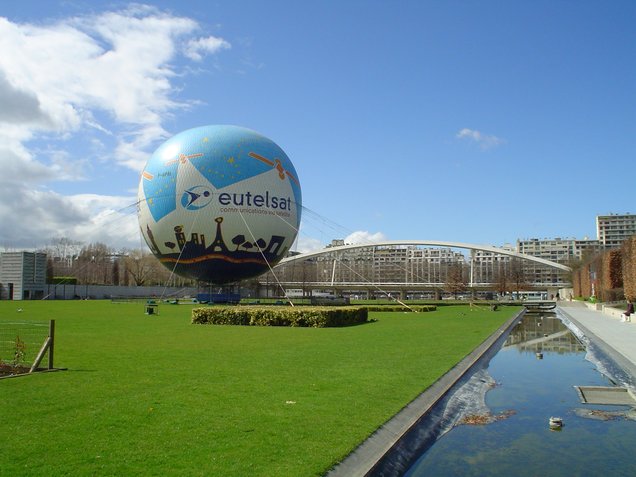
x,y
629,311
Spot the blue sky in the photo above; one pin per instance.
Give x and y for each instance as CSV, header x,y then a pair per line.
x,y
480,122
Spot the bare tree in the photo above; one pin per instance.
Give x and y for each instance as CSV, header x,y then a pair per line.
x,y
49,270
517,275
93,266
455,280
501,281
141,266
65,249
115,272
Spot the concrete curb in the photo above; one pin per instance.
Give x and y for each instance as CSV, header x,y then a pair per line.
x,y
367,458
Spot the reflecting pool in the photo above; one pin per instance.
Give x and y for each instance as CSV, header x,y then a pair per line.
x,y
504,430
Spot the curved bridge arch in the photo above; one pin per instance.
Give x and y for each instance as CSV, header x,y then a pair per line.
x,y
433,243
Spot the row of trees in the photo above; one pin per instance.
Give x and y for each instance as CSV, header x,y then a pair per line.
x,y
505,279
99,264
608,276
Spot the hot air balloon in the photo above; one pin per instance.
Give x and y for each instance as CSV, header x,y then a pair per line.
x,y
219,203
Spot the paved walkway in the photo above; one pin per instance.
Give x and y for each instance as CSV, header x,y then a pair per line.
x,y
615,338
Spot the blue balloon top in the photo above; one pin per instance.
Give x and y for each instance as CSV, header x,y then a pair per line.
x,y
223,154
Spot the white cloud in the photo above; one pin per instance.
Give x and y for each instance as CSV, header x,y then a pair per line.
x,y
111,220
53,77
131,149
307,244
197,48
42,215
364,237
19,167
111,62
485,141
104,80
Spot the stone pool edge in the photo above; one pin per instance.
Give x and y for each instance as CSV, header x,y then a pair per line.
x,y
366,457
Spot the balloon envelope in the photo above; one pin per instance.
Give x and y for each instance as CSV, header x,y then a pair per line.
x,y
219,203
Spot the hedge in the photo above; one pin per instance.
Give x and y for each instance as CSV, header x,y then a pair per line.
x,y
400,308
314,316
629,268
63,281
614,273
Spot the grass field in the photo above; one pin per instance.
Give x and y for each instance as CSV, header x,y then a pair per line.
x,y
152,395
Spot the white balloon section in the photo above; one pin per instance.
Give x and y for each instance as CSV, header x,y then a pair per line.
x,y
219,204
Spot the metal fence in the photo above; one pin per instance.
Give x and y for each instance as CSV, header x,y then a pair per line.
x,y
23,345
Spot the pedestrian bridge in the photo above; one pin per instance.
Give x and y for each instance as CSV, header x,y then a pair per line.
x,y
342,249
428,243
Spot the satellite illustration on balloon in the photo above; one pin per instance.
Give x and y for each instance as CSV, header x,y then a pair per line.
x,y
219,204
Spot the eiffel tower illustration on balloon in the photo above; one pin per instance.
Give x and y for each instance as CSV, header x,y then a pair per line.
x,y
194,250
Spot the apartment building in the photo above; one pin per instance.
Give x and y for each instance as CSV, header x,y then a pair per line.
x,y
612,230
558,250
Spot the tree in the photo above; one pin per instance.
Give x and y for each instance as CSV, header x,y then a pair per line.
x,y
49,270
141,266
125,276
115,272
629,268
517,275
65,250
261,244
500,279
61,253
238,240
455,280
95,263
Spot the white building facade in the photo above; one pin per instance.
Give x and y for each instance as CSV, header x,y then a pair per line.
x,y
612,230
22,275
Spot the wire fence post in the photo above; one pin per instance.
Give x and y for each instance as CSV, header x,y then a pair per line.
x,y
46,347
52,343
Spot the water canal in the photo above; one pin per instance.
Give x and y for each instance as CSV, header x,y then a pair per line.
x,y
499,419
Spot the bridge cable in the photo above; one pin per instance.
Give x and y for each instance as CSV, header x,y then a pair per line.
x,y
335,259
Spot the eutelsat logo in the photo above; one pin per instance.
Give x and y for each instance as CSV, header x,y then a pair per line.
x,y
248,199
196,197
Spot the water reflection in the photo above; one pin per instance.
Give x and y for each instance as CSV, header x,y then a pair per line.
x,y
528,392
538,333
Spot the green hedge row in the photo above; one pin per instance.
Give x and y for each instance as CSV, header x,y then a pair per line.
x,y
63,281
417,308
315,316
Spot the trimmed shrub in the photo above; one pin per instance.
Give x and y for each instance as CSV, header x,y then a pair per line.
x,y
63,281
613,273
314,316
629,268
400,308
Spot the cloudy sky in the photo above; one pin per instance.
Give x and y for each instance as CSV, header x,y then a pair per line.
x,y
479,122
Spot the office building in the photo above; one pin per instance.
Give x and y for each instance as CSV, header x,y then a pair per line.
x,y
22,275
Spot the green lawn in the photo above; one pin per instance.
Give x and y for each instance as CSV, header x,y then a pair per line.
x,y
151,395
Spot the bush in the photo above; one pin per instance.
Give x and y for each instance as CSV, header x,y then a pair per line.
x,y
63,281
396,308
314,316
